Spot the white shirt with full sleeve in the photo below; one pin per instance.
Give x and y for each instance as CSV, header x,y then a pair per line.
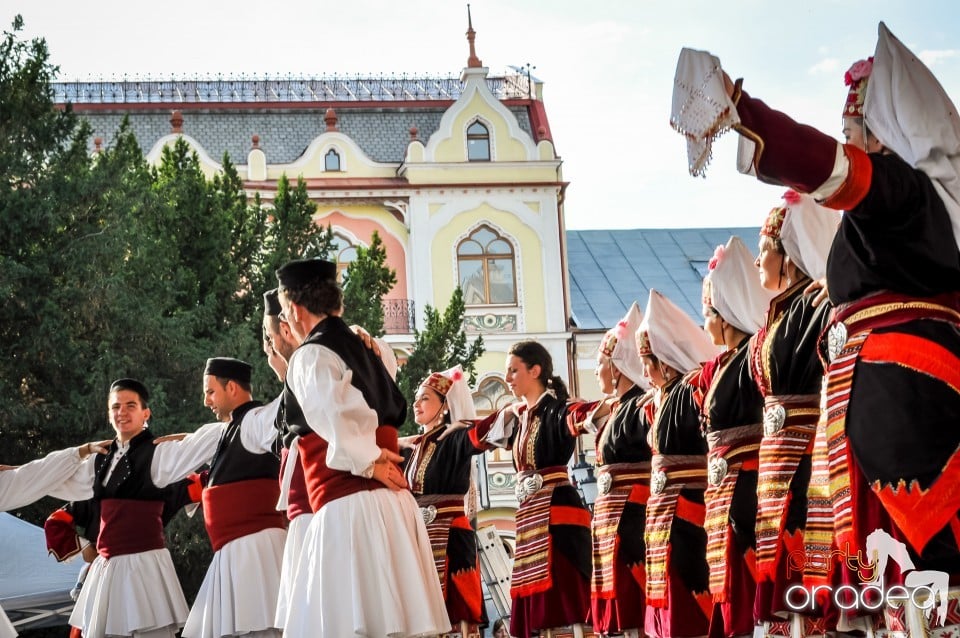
x,y
23,485
366,566
27,483
138,594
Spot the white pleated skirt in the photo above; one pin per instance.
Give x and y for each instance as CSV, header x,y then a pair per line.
x,y
239,593
292,550
131,594
367,570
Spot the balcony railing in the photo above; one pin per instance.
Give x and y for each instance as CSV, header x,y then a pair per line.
x,y
398,316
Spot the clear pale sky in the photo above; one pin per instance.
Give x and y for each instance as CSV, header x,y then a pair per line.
x,y
607,66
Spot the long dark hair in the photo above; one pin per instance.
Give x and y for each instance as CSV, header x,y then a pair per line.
x,y
534,354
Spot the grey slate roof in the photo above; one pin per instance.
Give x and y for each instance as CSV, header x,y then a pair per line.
x,y
610,269
382,133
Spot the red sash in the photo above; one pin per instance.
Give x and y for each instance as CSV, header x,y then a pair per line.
x,y
325,484
239,509
129,526
298,499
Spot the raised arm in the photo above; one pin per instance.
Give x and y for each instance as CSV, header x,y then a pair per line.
x,y
176,460
62,474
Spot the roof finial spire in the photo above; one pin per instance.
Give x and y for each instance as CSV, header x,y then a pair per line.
x,y
473,61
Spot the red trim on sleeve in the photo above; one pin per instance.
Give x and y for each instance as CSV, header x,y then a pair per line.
x,y
61,516
857,183
195,489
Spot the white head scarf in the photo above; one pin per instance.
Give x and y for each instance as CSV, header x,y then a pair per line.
x,y
807,233
734,287
619,344
672,335
911,114
452,385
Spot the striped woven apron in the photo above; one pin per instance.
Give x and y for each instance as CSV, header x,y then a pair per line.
x,y
789,425
438,512
670,473
617,484
531,564
731,450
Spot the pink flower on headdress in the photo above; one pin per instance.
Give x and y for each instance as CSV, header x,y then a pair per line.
x,y
791,197
457,375
860,69
717,256
621,330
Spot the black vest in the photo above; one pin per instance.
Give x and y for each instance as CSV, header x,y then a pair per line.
x,y
131,478
369,376
233,462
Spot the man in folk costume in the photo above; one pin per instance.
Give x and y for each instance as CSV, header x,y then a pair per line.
x,y
673,347
278,345
238,595
623,481
24,484
734,304
894,274
131,588
439,473
367,567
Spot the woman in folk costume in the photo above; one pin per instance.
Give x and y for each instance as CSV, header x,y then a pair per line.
x,y
672,347
623,481
786,366
438,471
734,303
894,275
551,569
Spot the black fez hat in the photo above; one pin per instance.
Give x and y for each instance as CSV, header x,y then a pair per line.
x,y
133,385
271,303
227,368
300,272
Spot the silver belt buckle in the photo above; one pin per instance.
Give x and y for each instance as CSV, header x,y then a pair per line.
x,y
836,340
604,483
528,486
717,470
658,482
429,513
773,419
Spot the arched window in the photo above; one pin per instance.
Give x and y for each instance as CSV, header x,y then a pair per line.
x,y
492,394
346,253
331,161
486,264
478,143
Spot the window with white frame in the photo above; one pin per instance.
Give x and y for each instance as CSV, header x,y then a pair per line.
x,y
487,267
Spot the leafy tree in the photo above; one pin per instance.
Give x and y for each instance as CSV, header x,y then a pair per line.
x,y
365,283
441,345
292,233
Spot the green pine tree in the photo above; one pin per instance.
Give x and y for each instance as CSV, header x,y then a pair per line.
x,y
365,283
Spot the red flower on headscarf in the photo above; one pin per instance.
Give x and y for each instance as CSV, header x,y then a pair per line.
x,y
621,329
717,256
860,69
791,197
457,375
